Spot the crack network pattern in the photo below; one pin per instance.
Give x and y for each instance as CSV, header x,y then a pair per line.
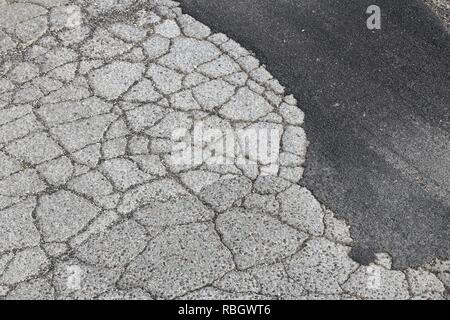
x,y
91,207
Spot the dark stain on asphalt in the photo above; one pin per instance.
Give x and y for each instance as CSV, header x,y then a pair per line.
x,y
377,107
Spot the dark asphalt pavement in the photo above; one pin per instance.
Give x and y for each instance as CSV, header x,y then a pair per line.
x,y
377,107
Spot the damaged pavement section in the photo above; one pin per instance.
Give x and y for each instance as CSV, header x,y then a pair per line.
x,y
91,207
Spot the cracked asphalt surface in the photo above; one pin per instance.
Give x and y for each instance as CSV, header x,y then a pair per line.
x,y
377,111
94,205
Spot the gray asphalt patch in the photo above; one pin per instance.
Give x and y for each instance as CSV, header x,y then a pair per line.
x,y
377,111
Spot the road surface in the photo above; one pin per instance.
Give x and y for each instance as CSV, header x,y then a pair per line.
x,y
377,106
